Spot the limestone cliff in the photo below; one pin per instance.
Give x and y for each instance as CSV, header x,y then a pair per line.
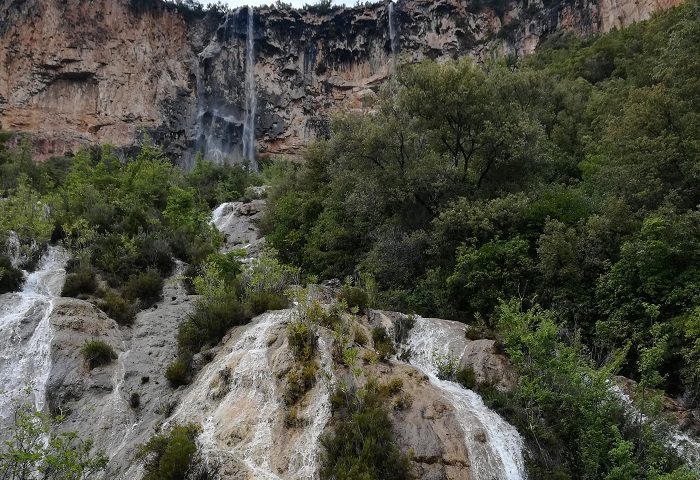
x,y
76,72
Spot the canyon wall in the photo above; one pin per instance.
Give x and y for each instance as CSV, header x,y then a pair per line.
x,y
84,72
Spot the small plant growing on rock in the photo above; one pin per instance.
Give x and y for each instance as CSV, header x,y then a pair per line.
x,y
403,402
466,377
360,336
135,400
354,297
292,419
81,281
117,308
178,372
445,365
97,353
392,387
383,344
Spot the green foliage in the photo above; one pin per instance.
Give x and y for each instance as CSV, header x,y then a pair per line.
x,y
361,444
300,380
354,297
484,275
172,455
383,344
210,321
97,353
466,377
178,372
79,282
595,439
302,338
567,179
145,286
261,302
123,219
266,282
446,365
117,308
35,451
26,213
216,184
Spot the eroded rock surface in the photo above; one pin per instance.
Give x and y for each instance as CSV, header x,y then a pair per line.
x,y
98,403
237,221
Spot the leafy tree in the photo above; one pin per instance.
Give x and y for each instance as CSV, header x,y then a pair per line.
x,y
34,451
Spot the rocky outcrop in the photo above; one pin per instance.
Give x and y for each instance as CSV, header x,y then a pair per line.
x,y
118,405
482,355
237,221
78,72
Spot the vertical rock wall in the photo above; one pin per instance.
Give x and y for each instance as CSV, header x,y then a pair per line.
x,y
76,72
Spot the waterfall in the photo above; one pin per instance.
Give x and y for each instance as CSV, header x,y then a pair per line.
x,y
392,37
241,410
494,446
392,31
250,100
25,334
687,447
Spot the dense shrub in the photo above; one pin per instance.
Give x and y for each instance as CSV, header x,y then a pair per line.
x,y
360,444
210,321
79,282
178,372
97,353
145,286
170,456
261,302
117,308
11,278
354,297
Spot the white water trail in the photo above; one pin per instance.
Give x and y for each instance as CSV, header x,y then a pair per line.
x,y
250,97
250,403
237,402
26,334
687,447
305,454
392,33
495,448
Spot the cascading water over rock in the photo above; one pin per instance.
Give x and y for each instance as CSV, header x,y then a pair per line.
x,y
25,334
241,410
495,447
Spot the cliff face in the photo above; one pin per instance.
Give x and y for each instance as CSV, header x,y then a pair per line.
x,y
76,72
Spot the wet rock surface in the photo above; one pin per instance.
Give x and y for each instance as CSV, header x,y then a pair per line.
x,y
237,221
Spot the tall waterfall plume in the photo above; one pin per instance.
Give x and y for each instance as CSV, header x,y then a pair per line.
x,y
250,100
392,36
